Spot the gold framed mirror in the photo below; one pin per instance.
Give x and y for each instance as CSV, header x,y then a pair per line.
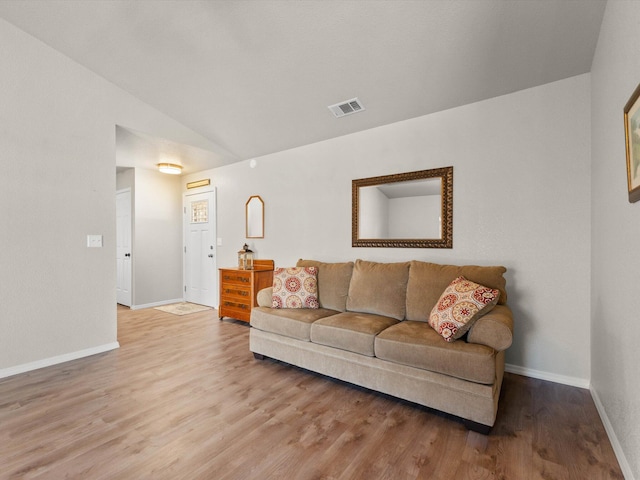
x,y
404,210
254,214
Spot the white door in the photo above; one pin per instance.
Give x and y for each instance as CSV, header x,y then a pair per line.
x,y
200,272
123,246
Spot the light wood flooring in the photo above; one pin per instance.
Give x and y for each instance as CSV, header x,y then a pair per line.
x,y
183,398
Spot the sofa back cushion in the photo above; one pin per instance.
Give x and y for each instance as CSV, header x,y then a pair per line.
x,y
427,281
379,288
333,283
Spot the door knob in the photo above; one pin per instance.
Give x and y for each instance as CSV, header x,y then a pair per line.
x,y
210,255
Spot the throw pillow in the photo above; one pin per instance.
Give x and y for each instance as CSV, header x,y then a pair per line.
x,y
459,306
295,287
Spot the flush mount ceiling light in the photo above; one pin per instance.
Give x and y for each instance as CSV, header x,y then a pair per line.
x,y
170,168
347,107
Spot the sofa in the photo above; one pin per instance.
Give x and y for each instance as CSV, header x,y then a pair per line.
x,y
370,327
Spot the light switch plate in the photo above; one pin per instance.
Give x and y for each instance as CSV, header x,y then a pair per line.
x,y
94,241
219,242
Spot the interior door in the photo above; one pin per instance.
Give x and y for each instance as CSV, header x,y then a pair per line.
x,y
200,265
123,247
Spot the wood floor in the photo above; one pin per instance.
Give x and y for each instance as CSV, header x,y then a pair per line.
x,y
183,398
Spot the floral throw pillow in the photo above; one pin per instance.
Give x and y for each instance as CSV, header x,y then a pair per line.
x,y
295,287
459,306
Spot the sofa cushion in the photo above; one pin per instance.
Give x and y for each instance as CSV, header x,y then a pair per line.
x,y
416,344
459,306
379,288
352,331
295,287
427,281
294,323
333,283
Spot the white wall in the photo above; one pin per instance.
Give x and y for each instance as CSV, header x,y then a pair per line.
x,y
615,317
156,230
521,199
57,138
157,244
126,178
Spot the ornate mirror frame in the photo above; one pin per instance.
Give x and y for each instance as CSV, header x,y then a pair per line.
x,y
254,216
446,238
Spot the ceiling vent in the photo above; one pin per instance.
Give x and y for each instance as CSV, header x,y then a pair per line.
x,y
346,108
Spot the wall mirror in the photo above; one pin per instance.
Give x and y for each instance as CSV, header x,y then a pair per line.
x,y
411,210
255,217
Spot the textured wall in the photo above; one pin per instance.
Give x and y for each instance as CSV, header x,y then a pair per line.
x,y
615,285
158,238
58,183
521,199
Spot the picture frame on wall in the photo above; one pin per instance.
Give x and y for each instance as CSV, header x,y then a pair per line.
x,y
632,137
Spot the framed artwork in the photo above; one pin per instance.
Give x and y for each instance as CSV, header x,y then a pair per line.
x,y
632,136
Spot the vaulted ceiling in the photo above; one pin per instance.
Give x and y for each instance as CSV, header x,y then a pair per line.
x,y
256,77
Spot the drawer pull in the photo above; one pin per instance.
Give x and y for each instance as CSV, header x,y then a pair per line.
x,y
236,292
236,305
234,278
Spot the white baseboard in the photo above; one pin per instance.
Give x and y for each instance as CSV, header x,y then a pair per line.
x,y
47,362
615,444
551,377
156,304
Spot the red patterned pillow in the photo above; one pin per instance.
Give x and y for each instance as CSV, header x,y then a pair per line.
x,y
295,287
459,306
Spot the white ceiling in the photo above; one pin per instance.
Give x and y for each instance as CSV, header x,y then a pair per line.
x,y
256,77
141,150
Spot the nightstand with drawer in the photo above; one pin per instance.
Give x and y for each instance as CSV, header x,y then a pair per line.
x,y
239,289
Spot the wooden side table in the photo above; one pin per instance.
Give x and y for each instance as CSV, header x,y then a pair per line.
x,y
239,289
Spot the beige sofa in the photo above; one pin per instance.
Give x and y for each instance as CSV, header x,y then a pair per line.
x,y
371,330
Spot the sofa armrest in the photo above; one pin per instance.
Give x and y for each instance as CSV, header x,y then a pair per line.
x,y
495,329
264,297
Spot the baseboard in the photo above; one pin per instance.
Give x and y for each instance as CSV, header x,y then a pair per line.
x,y
551,377
615,444
47,362
156,304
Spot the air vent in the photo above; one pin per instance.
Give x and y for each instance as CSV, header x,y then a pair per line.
x,y
346,108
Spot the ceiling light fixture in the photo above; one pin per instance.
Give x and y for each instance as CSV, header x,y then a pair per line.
x,y
170,168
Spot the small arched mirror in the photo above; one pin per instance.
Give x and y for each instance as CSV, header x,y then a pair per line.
x,y
413,210
255,217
